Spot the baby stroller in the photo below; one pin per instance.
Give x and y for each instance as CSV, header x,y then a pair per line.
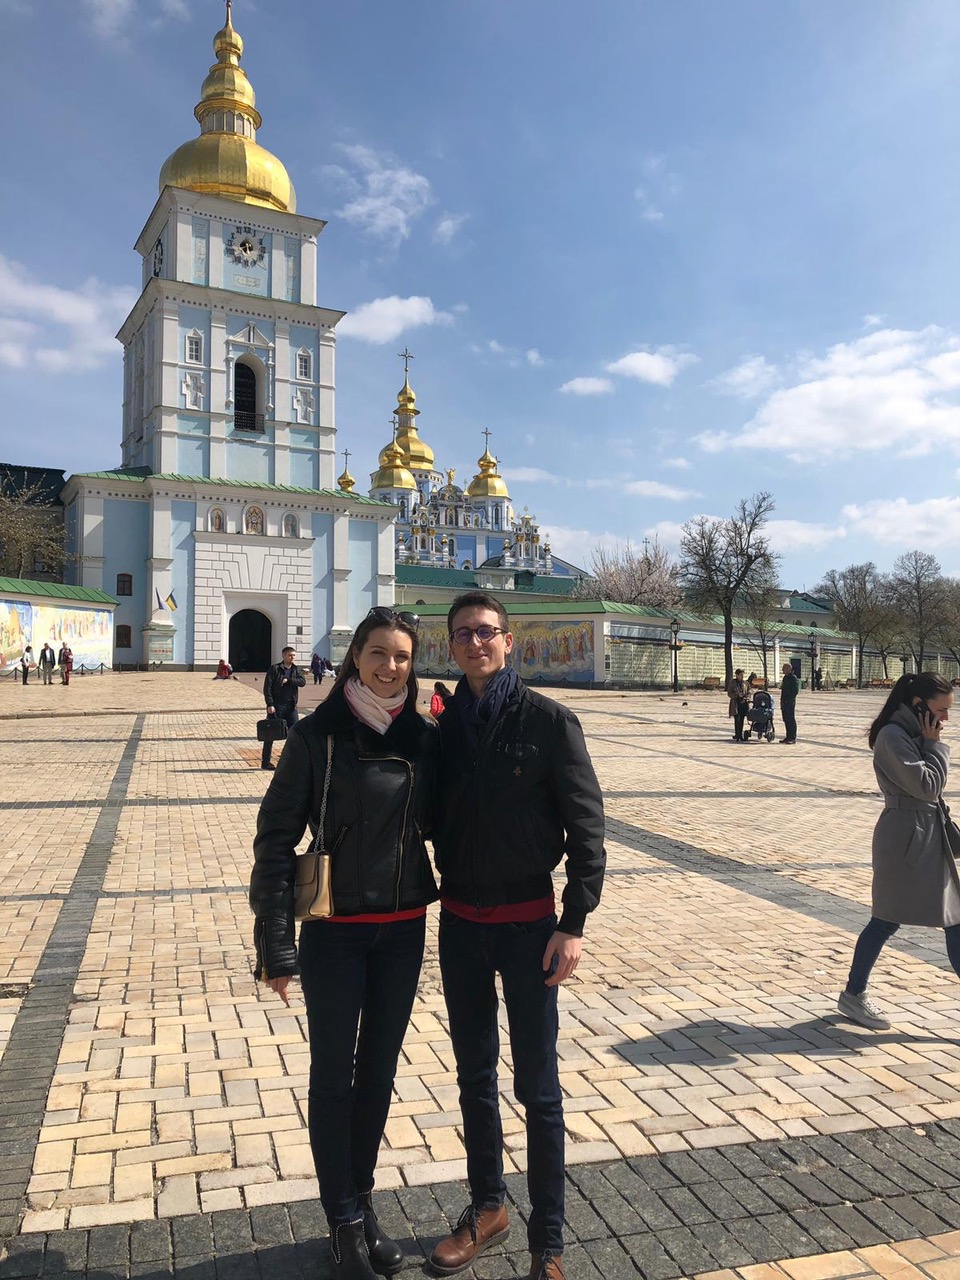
x,y
760,717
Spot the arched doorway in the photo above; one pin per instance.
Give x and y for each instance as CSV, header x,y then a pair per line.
x,y
250,641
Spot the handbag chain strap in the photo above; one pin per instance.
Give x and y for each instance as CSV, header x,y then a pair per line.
x,y
318,840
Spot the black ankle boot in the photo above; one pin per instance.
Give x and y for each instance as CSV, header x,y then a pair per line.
x,y
348,1248
386,1256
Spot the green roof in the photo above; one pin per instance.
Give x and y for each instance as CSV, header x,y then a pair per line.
x,y
422,575
139,474
55,590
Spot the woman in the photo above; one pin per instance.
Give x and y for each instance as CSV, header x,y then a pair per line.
x,y
438,701
914,873
359,968
739,702
316,666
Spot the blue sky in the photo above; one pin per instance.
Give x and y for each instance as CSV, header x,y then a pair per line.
x,y
668,252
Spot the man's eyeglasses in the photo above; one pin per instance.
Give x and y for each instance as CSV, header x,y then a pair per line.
x,y
463,635
383,613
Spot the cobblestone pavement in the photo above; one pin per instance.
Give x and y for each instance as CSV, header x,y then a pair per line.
x,y
719,1115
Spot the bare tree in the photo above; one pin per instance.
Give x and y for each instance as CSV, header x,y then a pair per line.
x,y
719,558
856,594
916,587
887,637
31,529
759,607
948,625
627,576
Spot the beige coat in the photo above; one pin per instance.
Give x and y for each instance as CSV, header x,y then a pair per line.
x,y
915,878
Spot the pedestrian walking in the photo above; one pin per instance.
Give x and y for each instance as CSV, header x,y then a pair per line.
x,y
439,699
46,661
915,842
739,702
359,968
65,662
789,688
316,667
517,794
281,690
27,663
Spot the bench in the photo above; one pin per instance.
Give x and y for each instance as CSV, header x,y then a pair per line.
x,y
711,682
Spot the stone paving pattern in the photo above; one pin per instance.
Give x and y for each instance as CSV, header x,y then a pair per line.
x,y
700,1024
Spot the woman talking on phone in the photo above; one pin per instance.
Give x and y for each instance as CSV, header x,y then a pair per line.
x,y
915,877
360,771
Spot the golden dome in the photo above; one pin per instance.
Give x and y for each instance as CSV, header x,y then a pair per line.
x,y
393,474
346,481
416,453
487,483
226,159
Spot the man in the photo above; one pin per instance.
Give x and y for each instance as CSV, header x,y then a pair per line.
x,y
789,688
27,661
65,662
47,661
281,686
517,794
739,701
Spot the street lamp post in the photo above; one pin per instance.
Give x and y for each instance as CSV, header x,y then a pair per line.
x,y
813,660
675,650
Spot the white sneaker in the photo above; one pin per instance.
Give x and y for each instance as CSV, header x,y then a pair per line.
x,y
861,1009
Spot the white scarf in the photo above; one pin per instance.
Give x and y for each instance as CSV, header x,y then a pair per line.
x,y
366,706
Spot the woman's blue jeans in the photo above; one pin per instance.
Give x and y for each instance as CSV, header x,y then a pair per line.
x,y
870,944
471,956
359,983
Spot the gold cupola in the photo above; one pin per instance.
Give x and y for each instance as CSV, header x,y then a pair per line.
x,y
487,483
226,159
393,473
417,454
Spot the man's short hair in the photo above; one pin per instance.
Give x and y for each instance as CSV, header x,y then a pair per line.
x,y
477,600
288,648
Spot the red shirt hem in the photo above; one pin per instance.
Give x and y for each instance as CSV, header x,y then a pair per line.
x,y
383,917
504,912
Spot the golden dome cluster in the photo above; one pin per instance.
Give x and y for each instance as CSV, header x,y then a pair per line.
x,y
226,159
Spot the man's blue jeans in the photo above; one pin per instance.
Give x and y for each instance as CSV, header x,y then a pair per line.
x,y
359,981
471,955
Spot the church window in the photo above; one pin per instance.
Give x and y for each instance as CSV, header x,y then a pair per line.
x,y
303,403
124,637
217,521
195,348
291,529
193,389
403,508
304,365
124,584
245,415
253,521
496,517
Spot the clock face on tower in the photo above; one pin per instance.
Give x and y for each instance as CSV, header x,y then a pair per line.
x,y
246,248
158,257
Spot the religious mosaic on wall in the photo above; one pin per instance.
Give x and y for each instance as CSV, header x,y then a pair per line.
x,y
549,650
88,632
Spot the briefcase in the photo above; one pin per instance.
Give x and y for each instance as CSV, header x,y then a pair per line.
x,y
272,729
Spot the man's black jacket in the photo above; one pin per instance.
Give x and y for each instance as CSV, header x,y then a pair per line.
x,y
511,810
377,815
276,693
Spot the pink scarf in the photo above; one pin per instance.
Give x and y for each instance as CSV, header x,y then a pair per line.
x,y
377,713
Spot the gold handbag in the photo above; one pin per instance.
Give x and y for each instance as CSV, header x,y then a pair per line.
x,y
313,894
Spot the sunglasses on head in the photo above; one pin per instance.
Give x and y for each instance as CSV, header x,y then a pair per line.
x,y
383,613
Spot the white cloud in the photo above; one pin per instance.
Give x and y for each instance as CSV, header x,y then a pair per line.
x,y
752,377
497,348
529,439
384,319
531,475
654,489
798,535
577,545
386,197
889,390
659,367
587,387
659,186
678,464
932,522
110,18
58,330
533,357
448,226
872,321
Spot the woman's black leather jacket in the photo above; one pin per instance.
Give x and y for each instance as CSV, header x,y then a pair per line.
x,y
378,812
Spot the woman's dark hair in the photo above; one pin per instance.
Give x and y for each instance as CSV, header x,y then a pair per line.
x,y
374,621
925,685
442,689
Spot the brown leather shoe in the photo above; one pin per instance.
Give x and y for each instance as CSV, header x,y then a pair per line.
x,y
476,1230
546,1266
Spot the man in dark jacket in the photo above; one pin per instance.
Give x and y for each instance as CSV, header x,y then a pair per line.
x,y
281,689
517,794
789,688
